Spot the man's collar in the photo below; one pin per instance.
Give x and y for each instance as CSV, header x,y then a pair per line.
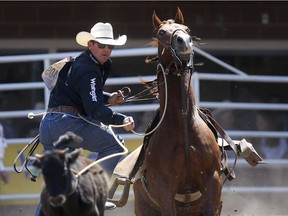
x,y
109,61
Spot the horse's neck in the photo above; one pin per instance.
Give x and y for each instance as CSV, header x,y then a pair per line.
x,y
179,94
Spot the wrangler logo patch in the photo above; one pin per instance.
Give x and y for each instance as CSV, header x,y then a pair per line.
x,y
93,90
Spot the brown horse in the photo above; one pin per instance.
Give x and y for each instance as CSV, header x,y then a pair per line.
x,y
181,171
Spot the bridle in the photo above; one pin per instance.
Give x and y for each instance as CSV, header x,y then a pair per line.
x,y
180,68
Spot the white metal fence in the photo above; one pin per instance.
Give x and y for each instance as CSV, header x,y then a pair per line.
x,y
196,79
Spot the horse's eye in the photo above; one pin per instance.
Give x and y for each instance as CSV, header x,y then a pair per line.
x,y
161,33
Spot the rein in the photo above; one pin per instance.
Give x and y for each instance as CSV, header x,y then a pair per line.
x,y
165,105
140,96
185,109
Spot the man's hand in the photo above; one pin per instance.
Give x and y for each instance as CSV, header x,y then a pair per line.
x,y
129,120
116,98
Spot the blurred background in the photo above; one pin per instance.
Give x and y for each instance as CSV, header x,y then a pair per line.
x,y
241,68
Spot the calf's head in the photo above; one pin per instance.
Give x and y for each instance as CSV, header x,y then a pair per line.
x,y
55,165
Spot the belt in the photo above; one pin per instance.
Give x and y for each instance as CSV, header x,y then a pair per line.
x,y
63,109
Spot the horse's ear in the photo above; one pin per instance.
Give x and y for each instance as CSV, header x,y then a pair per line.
x,y
155,20
179,17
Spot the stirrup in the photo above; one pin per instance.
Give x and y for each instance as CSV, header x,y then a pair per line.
x,y
124,197
249,153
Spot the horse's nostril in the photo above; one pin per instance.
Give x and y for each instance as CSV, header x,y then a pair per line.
x,y
180,40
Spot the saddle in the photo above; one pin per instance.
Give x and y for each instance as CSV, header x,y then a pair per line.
x,y
127,169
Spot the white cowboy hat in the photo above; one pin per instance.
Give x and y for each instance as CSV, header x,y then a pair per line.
x,y
101,32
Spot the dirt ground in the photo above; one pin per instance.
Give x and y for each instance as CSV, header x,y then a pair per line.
x,y
29,210
234,204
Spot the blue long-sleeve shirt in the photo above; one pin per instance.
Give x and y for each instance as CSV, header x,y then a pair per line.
x,y
82,88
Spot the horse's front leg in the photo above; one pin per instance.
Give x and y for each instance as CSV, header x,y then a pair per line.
x,y
141,203
165,196
212,195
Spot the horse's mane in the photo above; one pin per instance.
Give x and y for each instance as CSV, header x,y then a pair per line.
x,y
153,42
152,86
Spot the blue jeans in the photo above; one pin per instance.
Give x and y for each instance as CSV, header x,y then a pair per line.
x,y
95,139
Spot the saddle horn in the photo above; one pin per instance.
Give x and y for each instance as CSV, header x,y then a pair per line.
x,y
179,17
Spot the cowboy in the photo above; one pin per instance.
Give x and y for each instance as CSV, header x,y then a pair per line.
x,y
78,103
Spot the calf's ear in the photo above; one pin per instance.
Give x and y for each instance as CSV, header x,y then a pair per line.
x,y
72,156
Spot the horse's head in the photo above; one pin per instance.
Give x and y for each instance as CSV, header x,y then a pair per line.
x,y
174,42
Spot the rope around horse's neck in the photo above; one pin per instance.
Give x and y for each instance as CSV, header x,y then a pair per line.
x,y
165,105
